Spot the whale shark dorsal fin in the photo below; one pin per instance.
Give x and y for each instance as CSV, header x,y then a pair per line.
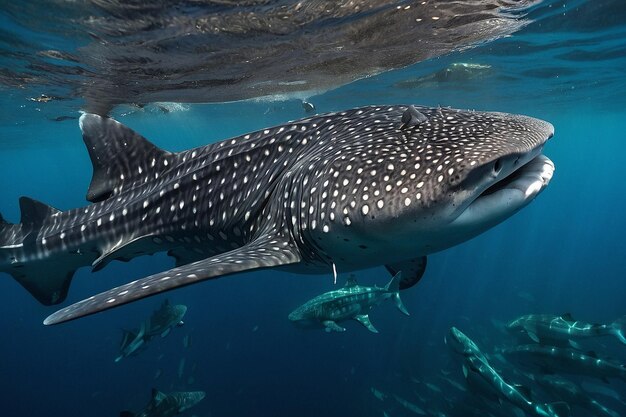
x,y
120,157
351,281
35,212
412,117
567,317
270,249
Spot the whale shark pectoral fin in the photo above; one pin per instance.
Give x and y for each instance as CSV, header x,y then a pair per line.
x,y
267,251
412,271
364,319
120,156
331,326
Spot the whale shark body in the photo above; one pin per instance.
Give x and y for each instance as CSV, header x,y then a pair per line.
x,y
377,185
487,382
352,302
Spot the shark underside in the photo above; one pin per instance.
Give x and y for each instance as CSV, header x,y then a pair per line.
x,y
335,192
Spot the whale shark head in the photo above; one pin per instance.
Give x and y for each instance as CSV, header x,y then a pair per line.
x,y
459,342
499,170
438,179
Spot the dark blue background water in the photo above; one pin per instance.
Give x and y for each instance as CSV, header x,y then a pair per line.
x,y
563,253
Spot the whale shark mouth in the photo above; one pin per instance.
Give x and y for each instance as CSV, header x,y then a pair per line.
x,y
509,194
529,178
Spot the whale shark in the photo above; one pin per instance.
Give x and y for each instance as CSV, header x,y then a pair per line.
x,y
352,302
548,328
488,383
168,405
553,359
337,192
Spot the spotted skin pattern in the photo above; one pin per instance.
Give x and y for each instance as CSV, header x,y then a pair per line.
x,y
330,192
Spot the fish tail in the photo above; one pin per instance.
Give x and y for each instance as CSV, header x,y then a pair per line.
x,y
394,287
618,328
24,256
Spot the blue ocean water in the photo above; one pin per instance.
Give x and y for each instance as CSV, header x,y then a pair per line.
x,y
563,253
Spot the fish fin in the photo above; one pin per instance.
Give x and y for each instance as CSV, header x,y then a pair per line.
x,y
618,329
394,287
465,371
47,280
269,250
127,335
331,326
120,157
533,336
412,271
399,304
124,250
157,396
567,317
394,284
365,321
412,117
351,281
35,212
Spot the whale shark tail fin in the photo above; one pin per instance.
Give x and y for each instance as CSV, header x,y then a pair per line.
x,y
618,328
23,254
394,287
